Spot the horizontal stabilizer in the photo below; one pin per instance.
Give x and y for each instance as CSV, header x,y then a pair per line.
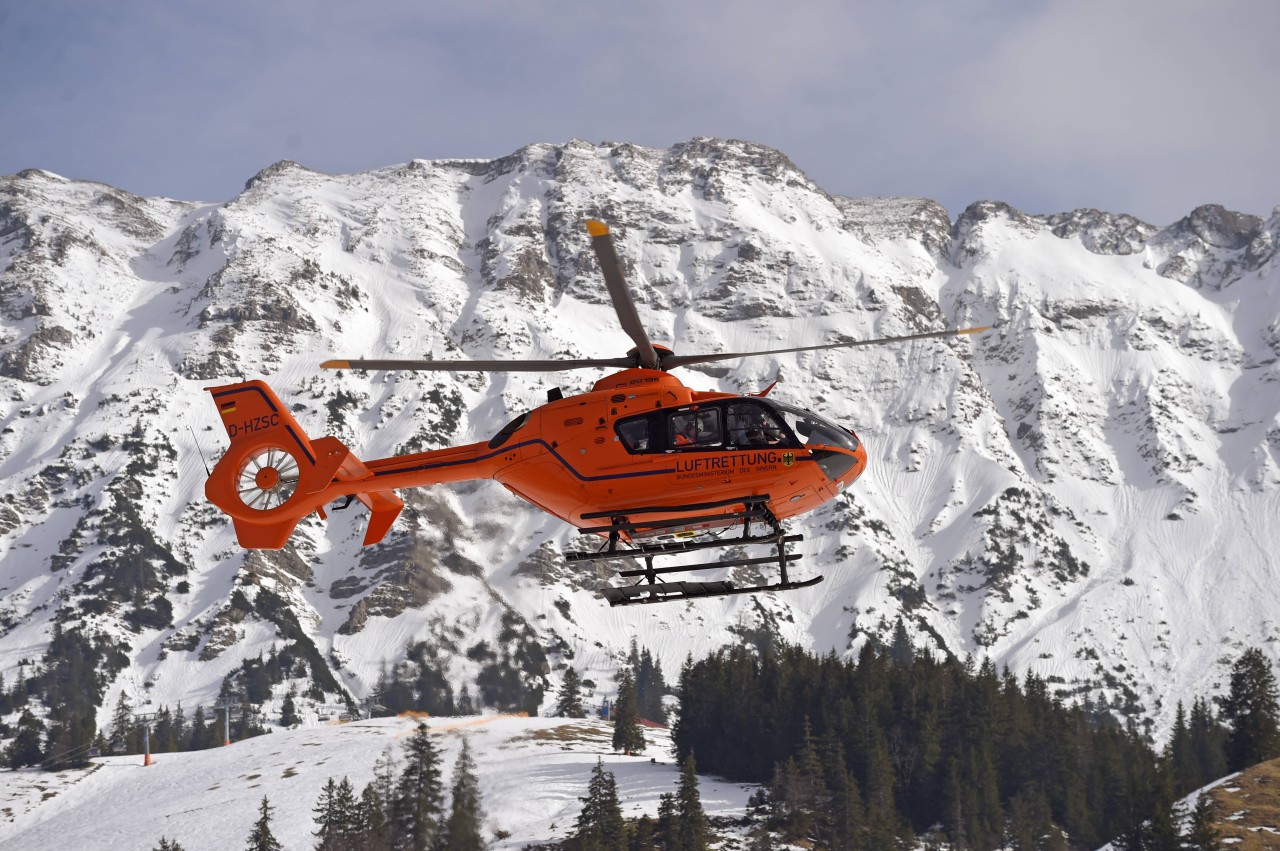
x,y
384,507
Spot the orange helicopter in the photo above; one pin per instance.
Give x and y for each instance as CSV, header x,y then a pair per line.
x,y
647,464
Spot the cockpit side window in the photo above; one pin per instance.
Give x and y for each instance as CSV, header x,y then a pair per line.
x,y
695,429
751,424
634,434
814,429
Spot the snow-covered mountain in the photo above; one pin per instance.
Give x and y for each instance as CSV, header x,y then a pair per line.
x,y
1089,490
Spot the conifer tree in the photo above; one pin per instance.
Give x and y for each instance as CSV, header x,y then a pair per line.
x,y
289,712
463,829
419,797
347,810
326,817
842,823
668,828
122,723
25,748
569,700
168,845
1252,709
384,779
1208,743
261,838
644,834
650,686
693,829
901,650
466,706
1179,754
373,832
1161,831
1202,833
627,735
599,826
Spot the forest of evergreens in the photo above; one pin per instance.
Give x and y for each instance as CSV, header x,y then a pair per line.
x,y
858,753
894,744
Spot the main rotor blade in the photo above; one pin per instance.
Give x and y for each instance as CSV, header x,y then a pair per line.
x,y
611,267
476,365
673,361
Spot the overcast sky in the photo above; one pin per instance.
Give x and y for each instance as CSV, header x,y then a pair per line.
x,y
1148,107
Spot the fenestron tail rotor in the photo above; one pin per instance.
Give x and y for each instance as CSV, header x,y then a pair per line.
x,y
268,478
644,355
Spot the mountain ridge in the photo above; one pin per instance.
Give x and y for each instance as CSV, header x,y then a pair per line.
x,y
1042,494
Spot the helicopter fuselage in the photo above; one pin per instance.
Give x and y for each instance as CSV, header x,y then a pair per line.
x,y
639,442
573,458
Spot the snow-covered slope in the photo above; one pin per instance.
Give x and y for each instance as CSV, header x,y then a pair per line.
x,y
1089,490
532,773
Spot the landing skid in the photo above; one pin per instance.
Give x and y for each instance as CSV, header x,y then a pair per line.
x,y
648,589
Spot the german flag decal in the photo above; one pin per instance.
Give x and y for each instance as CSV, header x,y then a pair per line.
x,y
227,408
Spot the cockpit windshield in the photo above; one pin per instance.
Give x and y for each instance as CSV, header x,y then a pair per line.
x,y
813,429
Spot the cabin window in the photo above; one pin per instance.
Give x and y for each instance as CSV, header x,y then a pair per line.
x,y
695,429
634,434
754,425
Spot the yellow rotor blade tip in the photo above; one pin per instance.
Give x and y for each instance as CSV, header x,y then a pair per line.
x,y
336,364
596,228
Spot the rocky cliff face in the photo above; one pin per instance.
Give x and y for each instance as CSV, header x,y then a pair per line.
x,y
1089,490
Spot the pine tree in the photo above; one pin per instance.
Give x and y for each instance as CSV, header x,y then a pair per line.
x,y
289,712
693,821
1253,711
650,686
901,650
326,817
463,829
466,706
25,749
842,823
384,779
1208,743
1180,756
419,796
1161,830
122,723
348,816
599,826
627,735
668,828
260,838
180,728
201,733
374,831
168,845
1202,834
569,700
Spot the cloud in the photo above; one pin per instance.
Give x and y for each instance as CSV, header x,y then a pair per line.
x,y
1156,105
1147,107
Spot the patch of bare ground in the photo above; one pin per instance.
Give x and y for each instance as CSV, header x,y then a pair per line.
x,y
568,734
1249,809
